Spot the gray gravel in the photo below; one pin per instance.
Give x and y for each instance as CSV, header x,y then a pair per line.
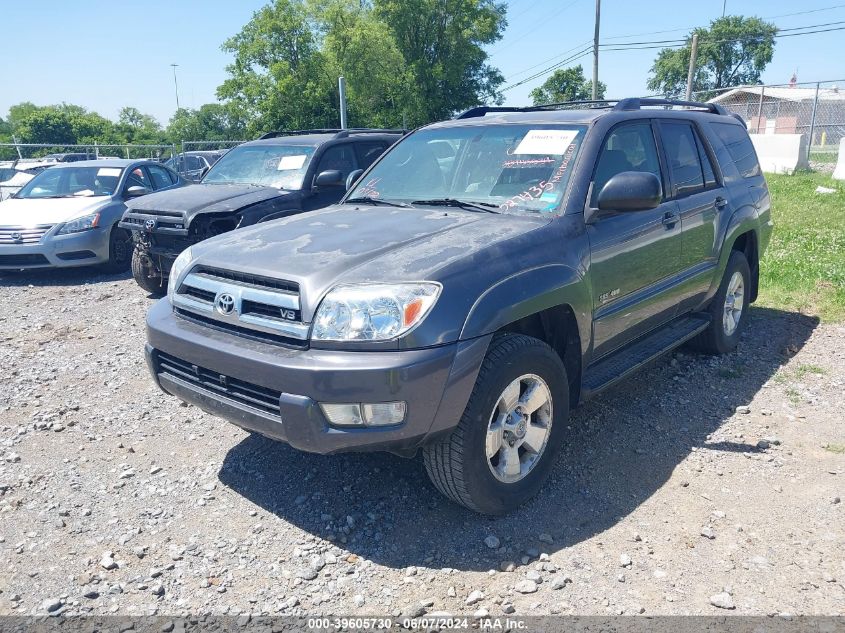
x,y
667,498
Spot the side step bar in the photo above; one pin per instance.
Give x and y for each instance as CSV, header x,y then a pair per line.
x,y
622,363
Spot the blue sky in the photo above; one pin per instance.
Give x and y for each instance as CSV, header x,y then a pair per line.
x,y
105,54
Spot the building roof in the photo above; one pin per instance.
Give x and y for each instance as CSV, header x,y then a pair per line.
x,y
785,94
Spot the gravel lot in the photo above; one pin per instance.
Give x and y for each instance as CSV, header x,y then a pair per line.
x,y
701,486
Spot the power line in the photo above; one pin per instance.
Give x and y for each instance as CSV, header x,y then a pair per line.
x,y
690,28
647,45
546,61
585,51
628,46
527,33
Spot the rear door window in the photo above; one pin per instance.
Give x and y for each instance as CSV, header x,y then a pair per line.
x,y
739,146
684,154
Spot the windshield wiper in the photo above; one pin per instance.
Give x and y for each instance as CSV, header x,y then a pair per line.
x,y
485,207
375,202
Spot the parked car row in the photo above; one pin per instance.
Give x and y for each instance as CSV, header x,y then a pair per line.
x,y
473,284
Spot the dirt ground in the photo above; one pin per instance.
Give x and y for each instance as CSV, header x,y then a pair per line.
x,y
700,486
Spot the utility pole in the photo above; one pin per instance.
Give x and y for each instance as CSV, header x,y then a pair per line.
x,y
692,59
341,87
724,6
176,84
596,53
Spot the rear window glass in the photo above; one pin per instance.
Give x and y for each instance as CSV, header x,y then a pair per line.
x,y
739,147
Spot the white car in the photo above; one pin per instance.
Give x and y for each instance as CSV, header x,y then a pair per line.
x,y
15,174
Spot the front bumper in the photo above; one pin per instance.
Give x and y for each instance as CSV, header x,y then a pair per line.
x,y
58,251
435,382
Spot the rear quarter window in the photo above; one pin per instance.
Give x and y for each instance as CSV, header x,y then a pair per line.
x,y
739,147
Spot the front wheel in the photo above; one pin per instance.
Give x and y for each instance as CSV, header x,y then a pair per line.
x,y
728,309
504,445
146,275
120,251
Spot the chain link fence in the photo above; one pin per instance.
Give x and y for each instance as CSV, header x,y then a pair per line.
x,y
814,109
58,152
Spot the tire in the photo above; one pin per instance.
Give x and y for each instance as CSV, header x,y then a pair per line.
x,y
150,280
458,465
724,332
120,251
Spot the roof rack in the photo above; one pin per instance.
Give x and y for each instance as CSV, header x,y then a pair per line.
x,y
615,104
338,132
637,103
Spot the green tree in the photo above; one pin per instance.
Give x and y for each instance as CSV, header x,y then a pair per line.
x,y
359,47
278,77
567,84
442,44
61,125
135,127
211,122
734,51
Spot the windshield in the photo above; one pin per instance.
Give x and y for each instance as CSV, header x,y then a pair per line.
x,y
509,168
70,182
281,166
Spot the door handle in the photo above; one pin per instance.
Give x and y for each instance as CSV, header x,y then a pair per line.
x,y
670,220
720,203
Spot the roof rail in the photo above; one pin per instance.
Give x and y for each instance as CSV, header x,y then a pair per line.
x,y
637,103
620,104
480,111
338,132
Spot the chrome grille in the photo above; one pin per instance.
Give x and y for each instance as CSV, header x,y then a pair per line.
x,y
258,304
23,235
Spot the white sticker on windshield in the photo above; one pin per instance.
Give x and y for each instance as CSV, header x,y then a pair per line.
x,y
108,171
546,142
292,162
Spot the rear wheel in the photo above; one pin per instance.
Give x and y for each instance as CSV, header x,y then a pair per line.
x,y
504,445
145,274
120,250
728,309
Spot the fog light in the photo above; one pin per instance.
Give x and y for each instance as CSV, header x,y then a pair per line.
x,y
366,414
383,413
343,414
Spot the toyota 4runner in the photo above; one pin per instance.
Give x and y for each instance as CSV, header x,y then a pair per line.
x,y
476,283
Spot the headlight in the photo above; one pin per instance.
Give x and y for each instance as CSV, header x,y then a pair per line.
x,y
373,312
80,224
179,266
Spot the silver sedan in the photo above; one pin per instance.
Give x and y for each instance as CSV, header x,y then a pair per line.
x,y
67,215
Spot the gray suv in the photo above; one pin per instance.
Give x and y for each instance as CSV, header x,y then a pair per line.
x,y
482,278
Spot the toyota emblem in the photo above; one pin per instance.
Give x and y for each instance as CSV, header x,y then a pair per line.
x,y
150,225
225,303
16,237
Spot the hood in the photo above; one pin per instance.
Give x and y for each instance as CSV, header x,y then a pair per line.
x,y
207,198
348,244
32,211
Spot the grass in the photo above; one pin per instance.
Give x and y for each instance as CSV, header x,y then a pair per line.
x,y
824,156
803,268
839,449
803,370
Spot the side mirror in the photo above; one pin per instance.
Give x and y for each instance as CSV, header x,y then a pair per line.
x,y
631,191
352,178
329,178
136,191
